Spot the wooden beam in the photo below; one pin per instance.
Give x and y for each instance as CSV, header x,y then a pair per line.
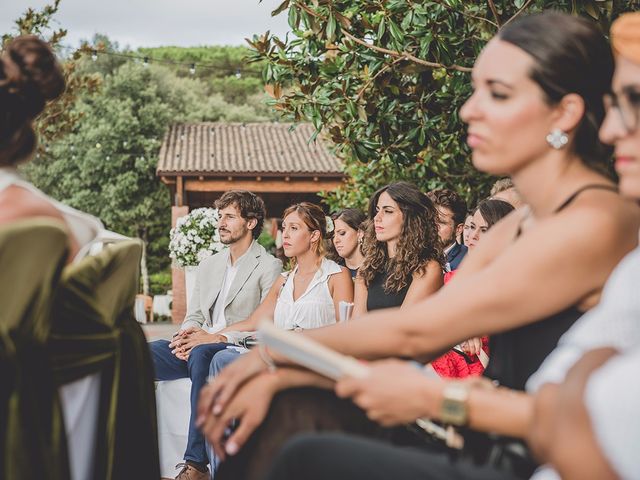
x,y
265,185
180,191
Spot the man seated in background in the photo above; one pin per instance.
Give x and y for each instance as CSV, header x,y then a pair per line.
x,y
452,211
229,286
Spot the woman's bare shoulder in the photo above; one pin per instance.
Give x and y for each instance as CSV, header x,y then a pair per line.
x,y
18,203
428,267
614,217
343,275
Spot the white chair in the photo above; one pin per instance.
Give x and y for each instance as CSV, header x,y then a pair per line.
x,y
174,408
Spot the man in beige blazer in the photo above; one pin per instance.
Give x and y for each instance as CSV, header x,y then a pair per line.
x,y
229,286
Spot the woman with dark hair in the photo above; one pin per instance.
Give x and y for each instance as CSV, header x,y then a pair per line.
x,y
348,235
467,229
534,115
30,76
485,216
403,254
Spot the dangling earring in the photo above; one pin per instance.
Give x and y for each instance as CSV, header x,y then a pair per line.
x,y
557,138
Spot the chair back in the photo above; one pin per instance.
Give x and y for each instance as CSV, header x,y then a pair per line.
x,y
32,435
94,331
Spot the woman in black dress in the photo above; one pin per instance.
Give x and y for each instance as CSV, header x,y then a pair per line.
x,y
403,254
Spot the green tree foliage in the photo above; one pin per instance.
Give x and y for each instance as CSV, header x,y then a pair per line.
x,y
59,117
104,162
224,70
384,81
107,165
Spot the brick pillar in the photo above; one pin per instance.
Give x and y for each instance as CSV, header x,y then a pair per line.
x,y
179,304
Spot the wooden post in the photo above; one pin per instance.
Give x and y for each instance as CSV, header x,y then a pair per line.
x,y
179,303
179,200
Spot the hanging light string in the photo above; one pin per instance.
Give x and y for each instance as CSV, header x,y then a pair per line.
x,y
146,60
71,147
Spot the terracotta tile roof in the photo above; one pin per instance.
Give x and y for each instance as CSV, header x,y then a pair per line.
x,y
252,148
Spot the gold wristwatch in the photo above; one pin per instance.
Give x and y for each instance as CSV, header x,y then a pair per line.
x,y
454,409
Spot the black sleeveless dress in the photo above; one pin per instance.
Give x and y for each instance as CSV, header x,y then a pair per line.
x,y
377,298
517,354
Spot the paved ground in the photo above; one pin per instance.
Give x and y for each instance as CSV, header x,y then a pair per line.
x,y
159,331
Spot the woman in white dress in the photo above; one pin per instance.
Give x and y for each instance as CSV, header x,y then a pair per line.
x,y
30,76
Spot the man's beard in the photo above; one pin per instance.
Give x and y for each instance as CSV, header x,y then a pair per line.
x,y
450,241
231,238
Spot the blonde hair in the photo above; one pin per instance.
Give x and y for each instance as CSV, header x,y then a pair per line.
x,y
625,36
313,217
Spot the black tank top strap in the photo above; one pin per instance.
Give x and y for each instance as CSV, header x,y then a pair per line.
x,y
571,198
593,186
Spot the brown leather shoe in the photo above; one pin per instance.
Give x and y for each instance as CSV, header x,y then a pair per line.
x,y
189,472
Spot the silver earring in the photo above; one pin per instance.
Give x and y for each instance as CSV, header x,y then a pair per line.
x,y
557,138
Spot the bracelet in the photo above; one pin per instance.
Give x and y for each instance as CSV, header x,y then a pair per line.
x,y
266,358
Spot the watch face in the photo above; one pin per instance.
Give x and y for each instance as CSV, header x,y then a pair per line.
x,y
454,409
454,412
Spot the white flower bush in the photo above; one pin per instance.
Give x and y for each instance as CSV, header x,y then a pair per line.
x,y
195,237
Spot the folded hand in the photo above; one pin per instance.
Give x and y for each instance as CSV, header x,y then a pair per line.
x,y
217,394
185,340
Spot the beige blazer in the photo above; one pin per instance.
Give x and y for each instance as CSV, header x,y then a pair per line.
x,y
257,270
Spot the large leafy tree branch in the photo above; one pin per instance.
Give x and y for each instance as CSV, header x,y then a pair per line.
x,y
384,81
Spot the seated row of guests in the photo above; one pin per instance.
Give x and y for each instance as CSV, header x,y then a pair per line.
x,y
534,116
396,259
243,284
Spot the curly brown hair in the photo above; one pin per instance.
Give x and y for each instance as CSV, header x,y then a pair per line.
x,y
419,241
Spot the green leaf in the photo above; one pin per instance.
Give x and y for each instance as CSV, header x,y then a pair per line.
x,y
331,28
396,33
381,29
282,7
362,113
294,18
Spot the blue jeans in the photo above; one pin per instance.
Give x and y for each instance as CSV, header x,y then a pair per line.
x,y
169,367
220,360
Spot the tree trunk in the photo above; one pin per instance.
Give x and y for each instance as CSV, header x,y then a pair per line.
x,y
144,272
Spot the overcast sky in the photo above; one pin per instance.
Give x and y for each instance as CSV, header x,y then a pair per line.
x,y
152,23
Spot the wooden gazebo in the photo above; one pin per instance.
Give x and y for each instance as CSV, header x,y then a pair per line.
x,y
199,162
